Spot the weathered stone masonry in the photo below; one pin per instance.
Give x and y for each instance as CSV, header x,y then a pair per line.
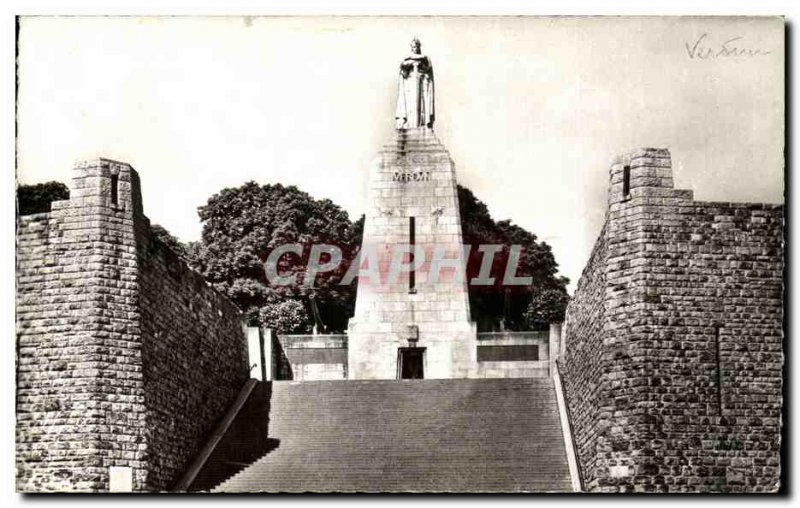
x,y
125,357
673,340
580,366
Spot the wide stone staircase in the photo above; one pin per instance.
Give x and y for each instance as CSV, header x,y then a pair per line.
x,y
458,435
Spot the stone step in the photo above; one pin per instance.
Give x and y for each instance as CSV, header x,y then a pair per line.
x,y
454,435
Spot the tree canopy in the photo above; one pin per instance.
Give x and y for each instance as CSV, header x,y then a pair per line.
x,y
182,250
531,306
242,225
37,198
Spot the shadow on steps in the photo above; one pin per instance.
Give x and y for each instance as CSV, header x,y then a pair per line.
x,y
450,435
246,441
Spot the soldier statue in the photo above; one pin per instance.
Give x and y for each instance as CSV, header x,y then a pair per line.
x,y
415,90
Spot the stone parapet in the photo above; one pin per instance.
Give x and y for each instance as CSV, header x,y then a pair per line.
x,y
126,358
673,339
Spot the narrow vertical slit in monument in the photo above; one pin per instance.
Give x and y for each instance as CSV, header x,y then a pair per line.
x,y
719,368
412,242
626,180
114,185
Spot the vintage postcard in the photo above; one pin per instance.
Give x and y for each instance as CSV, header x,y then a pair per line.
x,y
428,254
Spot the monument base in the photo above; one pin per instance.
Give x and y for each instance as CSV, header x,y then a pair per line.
x,y
376,350
413,201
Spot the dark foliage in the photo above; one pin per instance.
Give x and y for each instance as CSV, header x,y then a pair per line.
x,y
37,198
242,225
516,307
183,251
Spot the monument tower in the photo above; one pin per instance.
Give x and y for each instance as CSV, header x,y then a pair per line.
x,y
414,322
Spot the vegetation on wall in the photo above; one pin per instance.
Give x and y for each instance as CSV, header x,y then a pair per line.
x,y
37,198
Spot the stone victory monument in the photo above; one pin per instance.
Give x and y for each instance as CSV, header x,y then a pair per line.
x,y
415,90
412,327
136,375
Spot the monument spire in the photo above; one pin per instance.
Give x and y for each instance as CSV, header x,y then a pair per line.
x,y
413,323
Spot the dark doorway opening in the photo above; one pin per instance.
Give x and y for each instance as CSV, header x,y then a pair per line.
x,y
411,364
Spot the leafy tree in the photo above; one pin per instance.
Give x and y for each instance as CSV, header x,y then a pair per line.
x,y
491,305
182,250
287,316
243,225
37,198
547,306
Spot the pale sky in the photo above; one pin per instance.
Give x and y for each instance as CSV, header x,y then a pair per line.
x,y
531,109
